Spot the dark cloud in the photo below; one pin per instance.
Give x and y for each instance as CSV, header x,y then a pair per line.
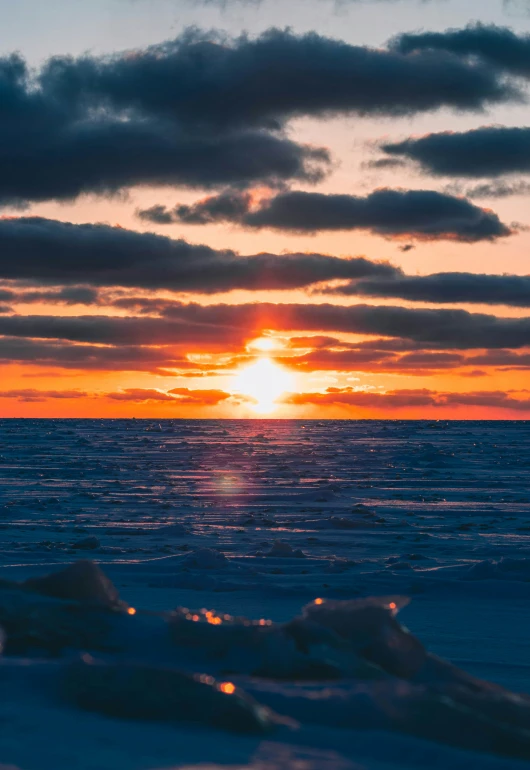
x,y
67,295
507,359
331,354
207,111
204,79
428,360
492,399
31,394
385,163
140,395
105,157
199,397
489,151
499,189
58,142
396,345
225,327
161,361
420,363
439,328
421,214
316,342
498,46
474,374
396,399
52,252
157,214
116,331
326,360
320,353
177,396
402,399
336,355
229,206
445,288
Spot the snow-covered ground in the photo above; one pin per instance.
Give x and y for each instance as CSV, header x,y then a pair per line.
x,y
257,519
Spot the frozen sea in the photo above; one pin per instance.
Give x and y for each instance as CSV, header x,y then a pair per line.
x,y
258,518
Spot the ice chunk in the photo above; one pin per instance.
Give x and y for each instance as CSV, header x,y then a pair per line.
x,y
83,581
138,691
71,608
298,650
42,625
282,549
371,627
495,723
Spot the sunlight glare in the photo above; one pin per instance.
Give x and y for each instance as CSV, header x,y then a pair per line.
x,y
265,382
265,344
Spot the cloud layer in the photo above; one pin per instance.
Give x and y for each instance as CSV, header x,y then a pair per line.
x,y
348,398
54,252
402,399
222,325
53,262
205,110
205,78
489,151
418,214
445,288
500,47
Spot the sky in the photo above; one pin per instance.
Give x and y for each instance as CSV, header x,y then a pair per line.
x,y
265,208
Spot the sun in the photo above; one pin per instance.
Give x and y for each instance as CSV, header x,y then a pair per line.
x,y
265,382
264,344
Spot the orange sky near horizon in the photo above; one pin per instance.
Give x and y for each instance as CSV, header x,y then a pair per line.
x,y
172,328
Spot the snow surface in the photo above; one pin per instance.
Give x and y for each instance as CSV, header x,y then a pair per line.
x,y
258,519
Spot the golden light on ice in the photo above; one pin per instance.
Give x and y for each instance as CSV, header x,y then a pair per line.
x,y
265,382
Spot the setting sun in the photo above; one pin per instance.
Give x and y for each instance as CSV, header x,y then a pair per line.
x,y
265,382
265,344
